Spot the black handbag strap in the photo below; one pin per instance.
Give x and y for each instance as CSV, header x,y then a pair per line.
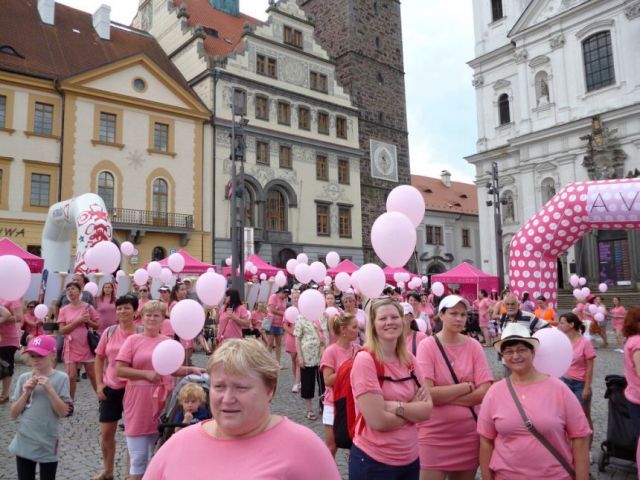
x,y
453,374
414,343
534,431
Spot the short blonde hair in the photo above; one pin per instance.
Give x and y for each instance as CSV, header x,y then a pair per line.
x,y
342,320
372,343
154,306
192,391
240,356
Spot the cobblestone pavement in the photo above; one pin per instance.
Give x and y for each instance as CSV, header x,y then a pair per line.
x,y
80,450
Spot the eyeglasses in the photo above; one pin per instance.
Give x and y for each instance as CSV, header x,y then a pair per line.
x,y
510,352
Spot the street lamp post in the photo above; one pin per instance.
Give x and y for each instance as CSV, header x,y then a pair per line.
x,y
496,202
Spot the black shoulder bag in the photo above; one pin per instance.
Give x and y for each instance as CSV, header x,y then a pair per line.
x,y
453,374
534,431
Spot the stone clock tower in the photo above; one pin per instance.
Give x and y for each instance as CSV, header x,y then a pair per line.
x,y
364,37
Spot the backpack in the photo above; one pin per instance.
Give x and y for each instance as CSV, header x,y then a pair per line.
x,y
345,418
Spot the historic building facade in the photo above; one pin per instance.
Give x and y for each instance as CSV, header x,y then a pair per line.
x,y
365,39
558,98
449,234
101,110
301,162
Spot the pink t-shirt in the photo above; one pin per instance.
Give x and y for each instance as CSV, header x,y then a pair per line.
x,y
76,347
393,447
10,331
582,351
555,412
107,312
143,401
419,338
632,392
31,324
470,364
333,357
109,347
228,328
483,311
256,319
617,316
280,304
207,454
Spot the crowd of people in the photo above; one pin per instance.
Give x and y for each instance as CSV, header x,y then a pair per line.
x,y
427,404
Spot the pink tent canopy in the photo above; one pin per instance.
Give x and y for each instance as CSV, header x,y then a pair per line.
x,y
466,274
346,266
390,271
263,267
35,263
191,264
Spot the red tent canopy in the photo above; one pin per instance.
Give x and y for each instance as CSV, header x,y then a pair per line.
x,y
346,266
390,271
466,274
35,263
191,264
263,267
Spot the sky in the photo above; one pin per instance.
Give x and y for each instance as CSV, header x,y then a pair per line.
x,y
441,106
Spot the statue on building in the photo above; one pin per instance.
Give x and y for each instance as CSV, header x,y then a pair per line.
x,y
605,159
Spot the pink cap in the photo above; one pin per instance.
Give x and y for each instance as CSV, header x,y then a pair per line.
x,y
42,345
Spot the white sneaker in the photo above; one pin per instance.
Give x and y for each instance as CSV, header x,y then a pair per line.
x,y
296,388
619,350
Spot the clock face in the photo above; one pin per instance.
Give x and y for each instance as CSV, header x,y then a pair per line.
x,y
384,164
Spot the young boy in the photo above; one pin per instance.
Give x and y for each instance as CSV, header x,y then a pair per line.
x,y
193,400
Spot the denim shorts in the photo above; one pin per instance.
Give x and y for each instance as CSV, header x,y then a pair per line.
x,y
277,331
363,467
577,387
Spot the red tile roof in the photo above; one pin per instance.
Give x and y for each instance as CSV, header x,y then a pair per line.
x,y
229,27
70,46
459,198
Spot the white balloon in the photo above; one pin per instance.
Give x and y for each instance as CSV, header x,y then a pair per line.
x,y
333,259
176,262
92,288
343,281
154,269
291,265
371,280
409,201
127,248
303,273
302,258
165,275
318,271
437,289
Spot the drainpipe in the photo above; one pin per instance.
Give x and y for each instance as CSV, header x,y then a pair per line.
x,y
56,85
214,74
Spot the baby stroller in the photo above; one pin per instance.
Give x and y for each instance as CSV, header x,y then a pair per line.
x,y
168,423
621,434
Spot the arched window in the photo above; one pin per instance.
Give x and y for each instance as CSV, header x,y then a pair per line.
x,y
548,189
106,189
598,61
503,109
508,207
276,211
543,96
160,200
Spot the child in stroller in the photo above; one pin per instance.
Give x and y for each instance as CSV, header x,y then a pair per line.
x,y
188,404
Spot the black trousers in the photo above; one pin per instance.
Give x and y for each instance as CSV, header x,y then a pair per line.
x,y
27,469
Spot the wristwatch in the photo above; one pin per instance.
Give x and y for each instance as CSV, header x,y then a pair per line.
x,y
400,410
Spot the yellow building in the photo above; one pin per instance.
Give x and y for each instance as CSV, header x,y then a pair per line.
x,y
87,105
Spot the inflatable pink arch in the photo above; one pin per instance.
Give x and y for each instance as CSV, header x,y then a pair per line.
x,y
572,212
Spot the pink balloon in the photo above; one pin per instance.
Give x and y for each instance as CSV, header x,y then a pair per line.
x,y
397,277
92,288
577,293
228,261
41,311
88,259
585,292
311,304
263,276
165,275
210,288
393,237
598,317
437,289
303,273
211,270
135,251
409,201
574,280
602,309
400,285
328,280
127,248
425,279
554,354
167,357
333,259
291,314
105,256
120,274
140,277
343,281
280,279
354,279
603,287
582,281
422,324
187,319
302,258
371,280
318,271
154,269
593,309
15,277
291,265
331,312
176,262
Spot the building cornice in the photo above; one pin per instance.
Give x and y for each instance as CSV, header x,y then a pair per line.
x,y
497,54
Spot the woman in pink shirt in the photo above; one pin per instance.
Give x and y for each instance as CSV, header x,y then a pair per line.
x,y
290,343
144,295
508,450
106,307
617,314
145,391
244,439
345,327
233,317
484,305
631,331
385,444
110,387
75,320
10,321
30,324
580,374
448,441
